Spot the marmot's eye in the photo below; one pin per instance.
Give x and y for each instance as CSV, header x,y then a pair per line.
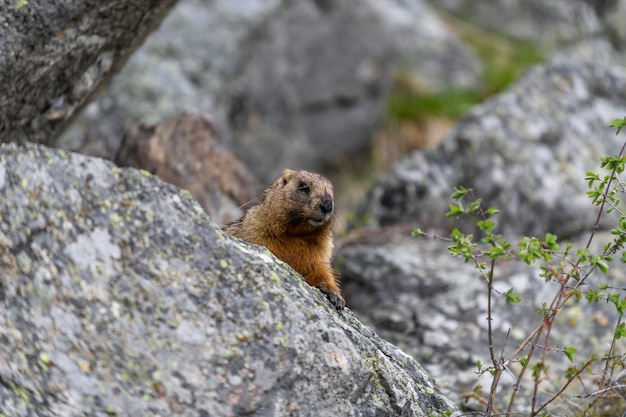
x,y
303,186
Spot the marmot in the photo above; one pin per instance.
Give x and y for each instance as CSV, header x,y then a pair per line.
x,y
293,219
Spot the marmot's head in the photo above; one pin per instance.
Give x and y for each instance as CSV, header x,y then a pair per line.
x,y
305,198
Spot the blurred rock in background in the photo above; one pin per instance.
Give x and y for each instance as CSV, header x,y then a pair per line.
x,y
185,151
289,84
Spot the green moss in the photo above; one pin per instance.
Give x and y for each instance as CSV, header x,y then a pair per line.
x,y
45,360
20,3
415,106
503,61
116,219
157,375
20,392
275,277
282,341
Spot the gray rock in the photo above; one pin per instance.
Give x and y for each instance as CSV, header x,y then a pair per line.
x,y
54,54
289,84
118,296
526,151
312,89
598,50
613,17
548,23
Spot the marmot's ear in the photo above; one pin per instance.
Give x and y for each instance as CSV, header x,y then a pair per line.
x,y
287,175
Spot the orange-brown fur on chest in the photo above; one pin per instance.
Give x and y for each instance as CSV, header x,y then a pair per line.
x,y
294,219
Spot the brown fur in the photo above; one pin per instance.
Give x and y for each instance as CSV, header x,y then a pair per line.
x,y
294,219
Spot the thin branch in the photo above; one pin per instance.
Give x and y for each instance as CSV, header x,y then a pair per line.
x,y
496,364
605,373
602,391
569,381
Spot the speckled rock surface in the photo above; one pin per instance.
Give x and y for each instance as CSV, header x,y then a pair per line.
x,y
118,296
526,151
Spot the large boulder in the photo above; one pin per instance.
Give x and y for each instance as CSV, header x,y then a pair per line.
x,y
54,54
119,296
526,151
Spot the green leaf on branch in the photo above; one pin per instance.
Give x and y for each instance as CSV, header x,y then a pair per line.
x,y
583,255
538,368
531,249
455,210
613,162
463,245
619,303
486,225
591,177
600,262
474,206
459,193
512,297
571,372
550,242
592,296
618,124
569,352
418,233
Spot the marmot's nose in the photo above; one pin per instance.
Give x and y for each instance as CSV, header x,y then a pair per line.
x,y
327,204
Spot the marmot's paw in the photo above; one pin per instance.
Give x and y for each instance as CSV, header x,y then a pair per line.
x,y
334,297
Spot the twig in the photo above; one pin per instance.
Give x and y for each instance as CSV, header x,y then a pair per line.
x,y
569,381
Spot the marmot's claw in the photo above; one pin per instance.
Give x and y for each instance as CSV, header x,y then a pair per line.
x,y
337,300
334,297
